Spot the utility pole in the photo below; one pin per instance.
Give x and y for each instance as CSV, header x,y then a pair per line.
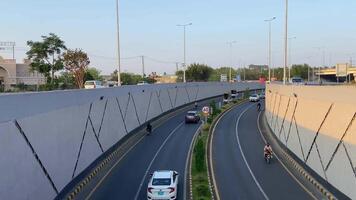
x,y
230,45
285,45
143,66
290,55
270,46
118,44
177,66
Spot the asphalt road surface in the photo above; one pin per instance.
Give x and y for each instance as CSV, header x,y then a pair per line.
x,y
239,167
165,149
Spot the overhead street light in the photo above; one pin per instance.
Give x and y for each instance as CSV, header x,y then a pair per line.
x,y
290,55
270,46
118,44
230,46
285,43
184,49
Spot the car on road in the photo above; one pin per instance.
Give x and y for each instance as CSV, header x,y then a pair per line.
x,y
142,83
163,184
192,117
93,84
254,98
234,94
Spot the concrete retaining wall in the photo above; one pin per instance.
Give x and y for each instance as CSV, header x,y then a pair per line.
x,y
318,124
47,139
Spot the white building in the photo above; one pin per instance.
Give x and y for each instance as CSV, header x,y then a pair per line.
x,y
12,74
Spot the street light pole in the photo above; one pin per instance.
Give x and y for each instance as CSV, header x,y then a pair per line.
x,y
118,44
270,46
290,55
230,45
184,49
285,45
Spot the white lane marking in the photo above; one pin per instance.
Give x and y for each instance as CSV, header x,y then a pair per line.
x,y
285,167
107,174
243,155
187,162
154,158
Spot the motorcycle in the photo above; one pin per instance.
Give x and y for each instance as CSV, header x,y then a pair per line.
x,y
268,158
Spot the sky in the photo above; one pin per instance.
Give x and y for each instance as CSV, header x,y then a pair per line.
x,y
148,28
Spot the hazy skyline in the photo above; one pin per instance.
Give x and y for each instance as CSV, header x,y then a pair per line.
x,y
149,28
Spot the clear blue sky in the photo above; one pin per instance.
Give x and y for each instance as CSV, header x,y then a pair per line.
x,y
148,27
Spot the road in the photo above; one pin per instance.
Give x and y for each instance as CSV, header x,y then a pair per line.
x,y
165,149
239,168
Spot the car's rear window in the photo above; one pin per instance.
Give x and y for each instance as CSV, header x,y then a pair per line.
x,y
161,181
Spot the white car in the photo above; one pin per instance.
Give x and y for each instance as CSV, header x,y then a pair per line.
x,y
142,83
93,84
254,98
163,185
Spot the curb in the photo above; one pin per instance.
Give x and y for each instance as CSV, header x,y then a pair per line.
x,y
190,160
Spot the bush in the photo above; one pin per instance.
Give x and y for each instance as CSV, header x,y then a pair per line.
x,y
203,190
199,155
247,93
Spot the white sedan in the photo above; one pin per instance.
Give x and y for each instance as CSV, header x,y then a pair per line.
x,y
254,98
163,185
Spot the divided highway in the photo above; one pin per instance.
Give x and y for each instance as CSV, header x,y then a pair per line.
x,y
165,149
239,168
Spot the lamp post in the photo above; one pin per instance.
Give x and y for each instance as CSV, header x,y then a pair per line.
x,y
270,46
184,49
230,46
118,44
285,43
290,55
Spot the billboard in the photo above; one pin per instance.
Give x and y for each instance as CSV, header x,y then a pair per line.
x,y
341,69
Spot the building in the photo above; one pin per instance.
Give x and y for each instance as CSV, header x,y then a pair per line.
x,y
166,79
258,67
12,74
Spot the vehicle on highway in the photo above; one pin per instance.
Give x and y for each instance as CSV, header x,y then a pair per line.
x,y
192,117
234,94
297,81
267,152
93,84
149,128
142,83
254,98
226,98
163,184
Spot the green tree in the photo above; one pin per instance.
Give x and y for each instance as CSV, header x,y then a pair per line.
x,y
179,75
92,74
300,71
46,56
76,62
198,72
66,80
127,78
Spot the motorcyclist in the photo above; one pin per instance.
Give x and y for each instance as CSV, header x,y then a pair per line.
x,y
258,106
267,150
149,128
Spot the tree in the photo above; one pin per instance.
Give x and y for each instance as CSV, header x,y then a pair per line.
x,y
92,74
46,56
198,72
300,70
76,62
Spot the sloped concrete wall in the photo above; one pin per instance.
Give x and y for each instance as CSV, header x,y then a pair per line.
x,y
47,139
318,124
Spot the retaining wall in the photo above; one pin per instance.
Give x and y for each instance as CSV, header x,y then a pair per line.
x,y
318,124
47,139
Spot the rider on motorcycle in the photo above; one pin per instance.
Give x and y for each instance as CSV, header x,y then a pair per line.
x,y
259,106
267,150
149,128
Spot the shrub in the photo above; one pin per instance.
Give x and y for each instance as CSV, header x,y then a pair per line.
x,y
199,155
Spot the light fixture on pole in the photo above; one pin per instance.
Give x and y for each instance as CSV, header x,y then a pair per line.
x,y
270,46
285,43
118,44
290,55
230,46
184,62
